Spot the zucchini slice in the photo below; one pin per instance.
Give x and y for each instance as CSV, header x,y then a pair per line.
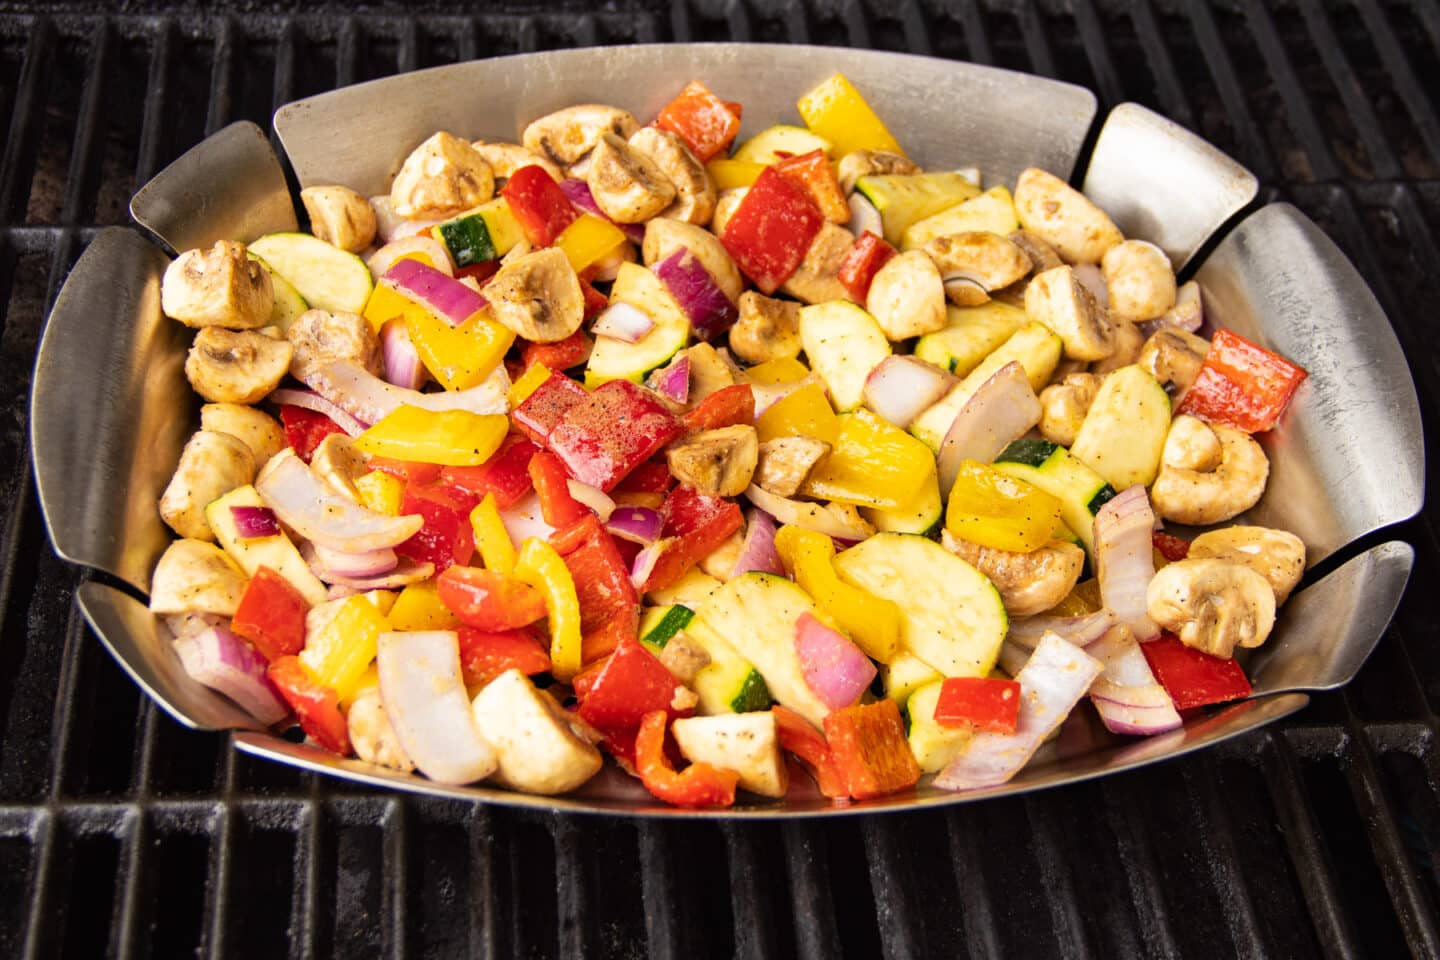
x,y
1049,466
844,343
613,359
902,199
288,302
768,146
327,277
992,211
1124,431
970,335
728,683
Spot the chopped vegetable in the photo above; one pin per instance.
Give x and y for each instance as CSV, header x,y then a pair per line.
x,y
812,172
873,622
485,654
1241,385
338,653
988,704
698,785
999,511
705,122
1192,678
453,437
271,615
771,230
541,567
611,432
836,111
224,663
836,670
459,356
539,204
305,429
869,751
726,407
444,535
444,296
862,262
316,707
491,538
695,524
426,702
488,599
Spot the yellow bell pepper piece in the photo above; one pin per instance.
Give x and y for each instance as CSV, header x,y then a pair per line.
x,y
871,464
872,622
450,437
459,357
381,492
732,174
996,510
385,304
784,370
340,651
528,383
491,537
836,111
588,240
804,413
370,679
505,230
1083,598
419,608
544,569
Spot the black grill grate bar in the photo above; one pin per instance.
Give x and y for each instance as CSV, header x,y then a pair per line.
x,y
1055,875
1357,104
737,21
893,885
217,112
84,155
753,920
816,935
284,77
1407,86
484,893
125,938
978,913
917,28
157,86
306,905
396,864
1162,66
215,938
857,23
1097,51
572,888
1137,860
65,751
1037,42
1299,111
1254,153
977,37
22,140
1217,837
664,927
347,51
37,931
407,56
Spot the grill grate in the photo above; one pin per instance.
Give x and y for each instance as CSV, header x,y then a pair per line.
x,y
1319,835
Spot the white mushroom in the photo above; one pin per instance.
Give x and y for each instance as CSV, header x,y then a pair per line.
x,y
229,366
1212,605
868,163
219,287
538,749
1063,406
684,658
694,190
1061,302
338,464
506,158
1029,583
626,184
196,577
974,264
1277,555
709,372
371,734
1174,356
1208,479
1140,280
1042,256
340,217
538,296
663,236
907,297
817,279
442,176
211,465
725,206
747,743
321,337
785,462
258,430
1128,341
1063,217
567,135
767,329
718,463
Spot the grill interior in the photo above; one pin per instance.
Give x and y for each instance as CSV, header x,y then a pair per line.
x,y
122,833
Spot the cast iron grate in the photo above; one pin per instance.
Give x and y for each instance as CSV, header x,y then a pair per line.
x,y
121,833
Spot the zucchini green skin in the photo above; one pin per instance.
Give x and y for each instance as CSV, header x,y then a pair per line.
x,y
1049,466
325,277
468,240
658,632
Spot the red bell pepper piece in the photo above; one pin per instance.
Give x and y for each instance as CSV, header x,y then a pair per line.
x,y
867,255
1192,678
868,748
611,432
316,706
552,485
539,204
546,406
304,429
446,538
772,229
411,471
706,123
988,704
479,272
1171,548
602,580
484,654
726,407
488,600
606,638
698,785
595,301
695,525
271,615
506,474
652,476
813,174
560,355
737,108
632,683
799,737
1241,384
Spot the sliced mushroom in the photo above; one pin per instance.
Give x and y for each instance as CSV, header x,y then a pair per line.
x,y
567,135
1059,300
538,296
1063,217
907,297
338,464
684,658
867,163
229,366
506,158
784,463
817,279
321,337
1277,555
211,465
626,184
1212,605
1174,356
442,176
256,429
694,190
663,236
371,734
1198,484
219,287
196,577
1063,406
767,329
975,263
1042,256
1128,341
1140,279
536,744
725,206
718,463
709,371
340,217
1029,583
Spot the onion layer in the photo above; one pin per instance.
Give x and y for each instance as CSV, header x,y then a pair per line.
x,y
903,387
407,241
436,291
369,399
1002,410
306,505
622,321
402,361
254,522
809,516
1125,559
757,550
710,311
593,497
835,670
1126,695
637,524
673,382
226,664
310,400
424,696
1082,631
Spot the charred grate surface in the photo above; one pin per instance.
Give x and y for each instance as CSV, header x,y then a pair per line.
x,y
121,833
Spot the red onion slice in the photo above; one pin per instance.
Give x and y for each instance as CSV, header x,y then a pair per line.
x,y
412,236
424,696
441,294
226,664
1125,558
710,311
757,550
578,193
673,381
369,399
593,497
810,516
1052,682
402,361
1003,409
524,519
622,321
903,387
310,400
645,561
254,522
1127,696
306,505
637,524
340,564
1082,631
835,670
